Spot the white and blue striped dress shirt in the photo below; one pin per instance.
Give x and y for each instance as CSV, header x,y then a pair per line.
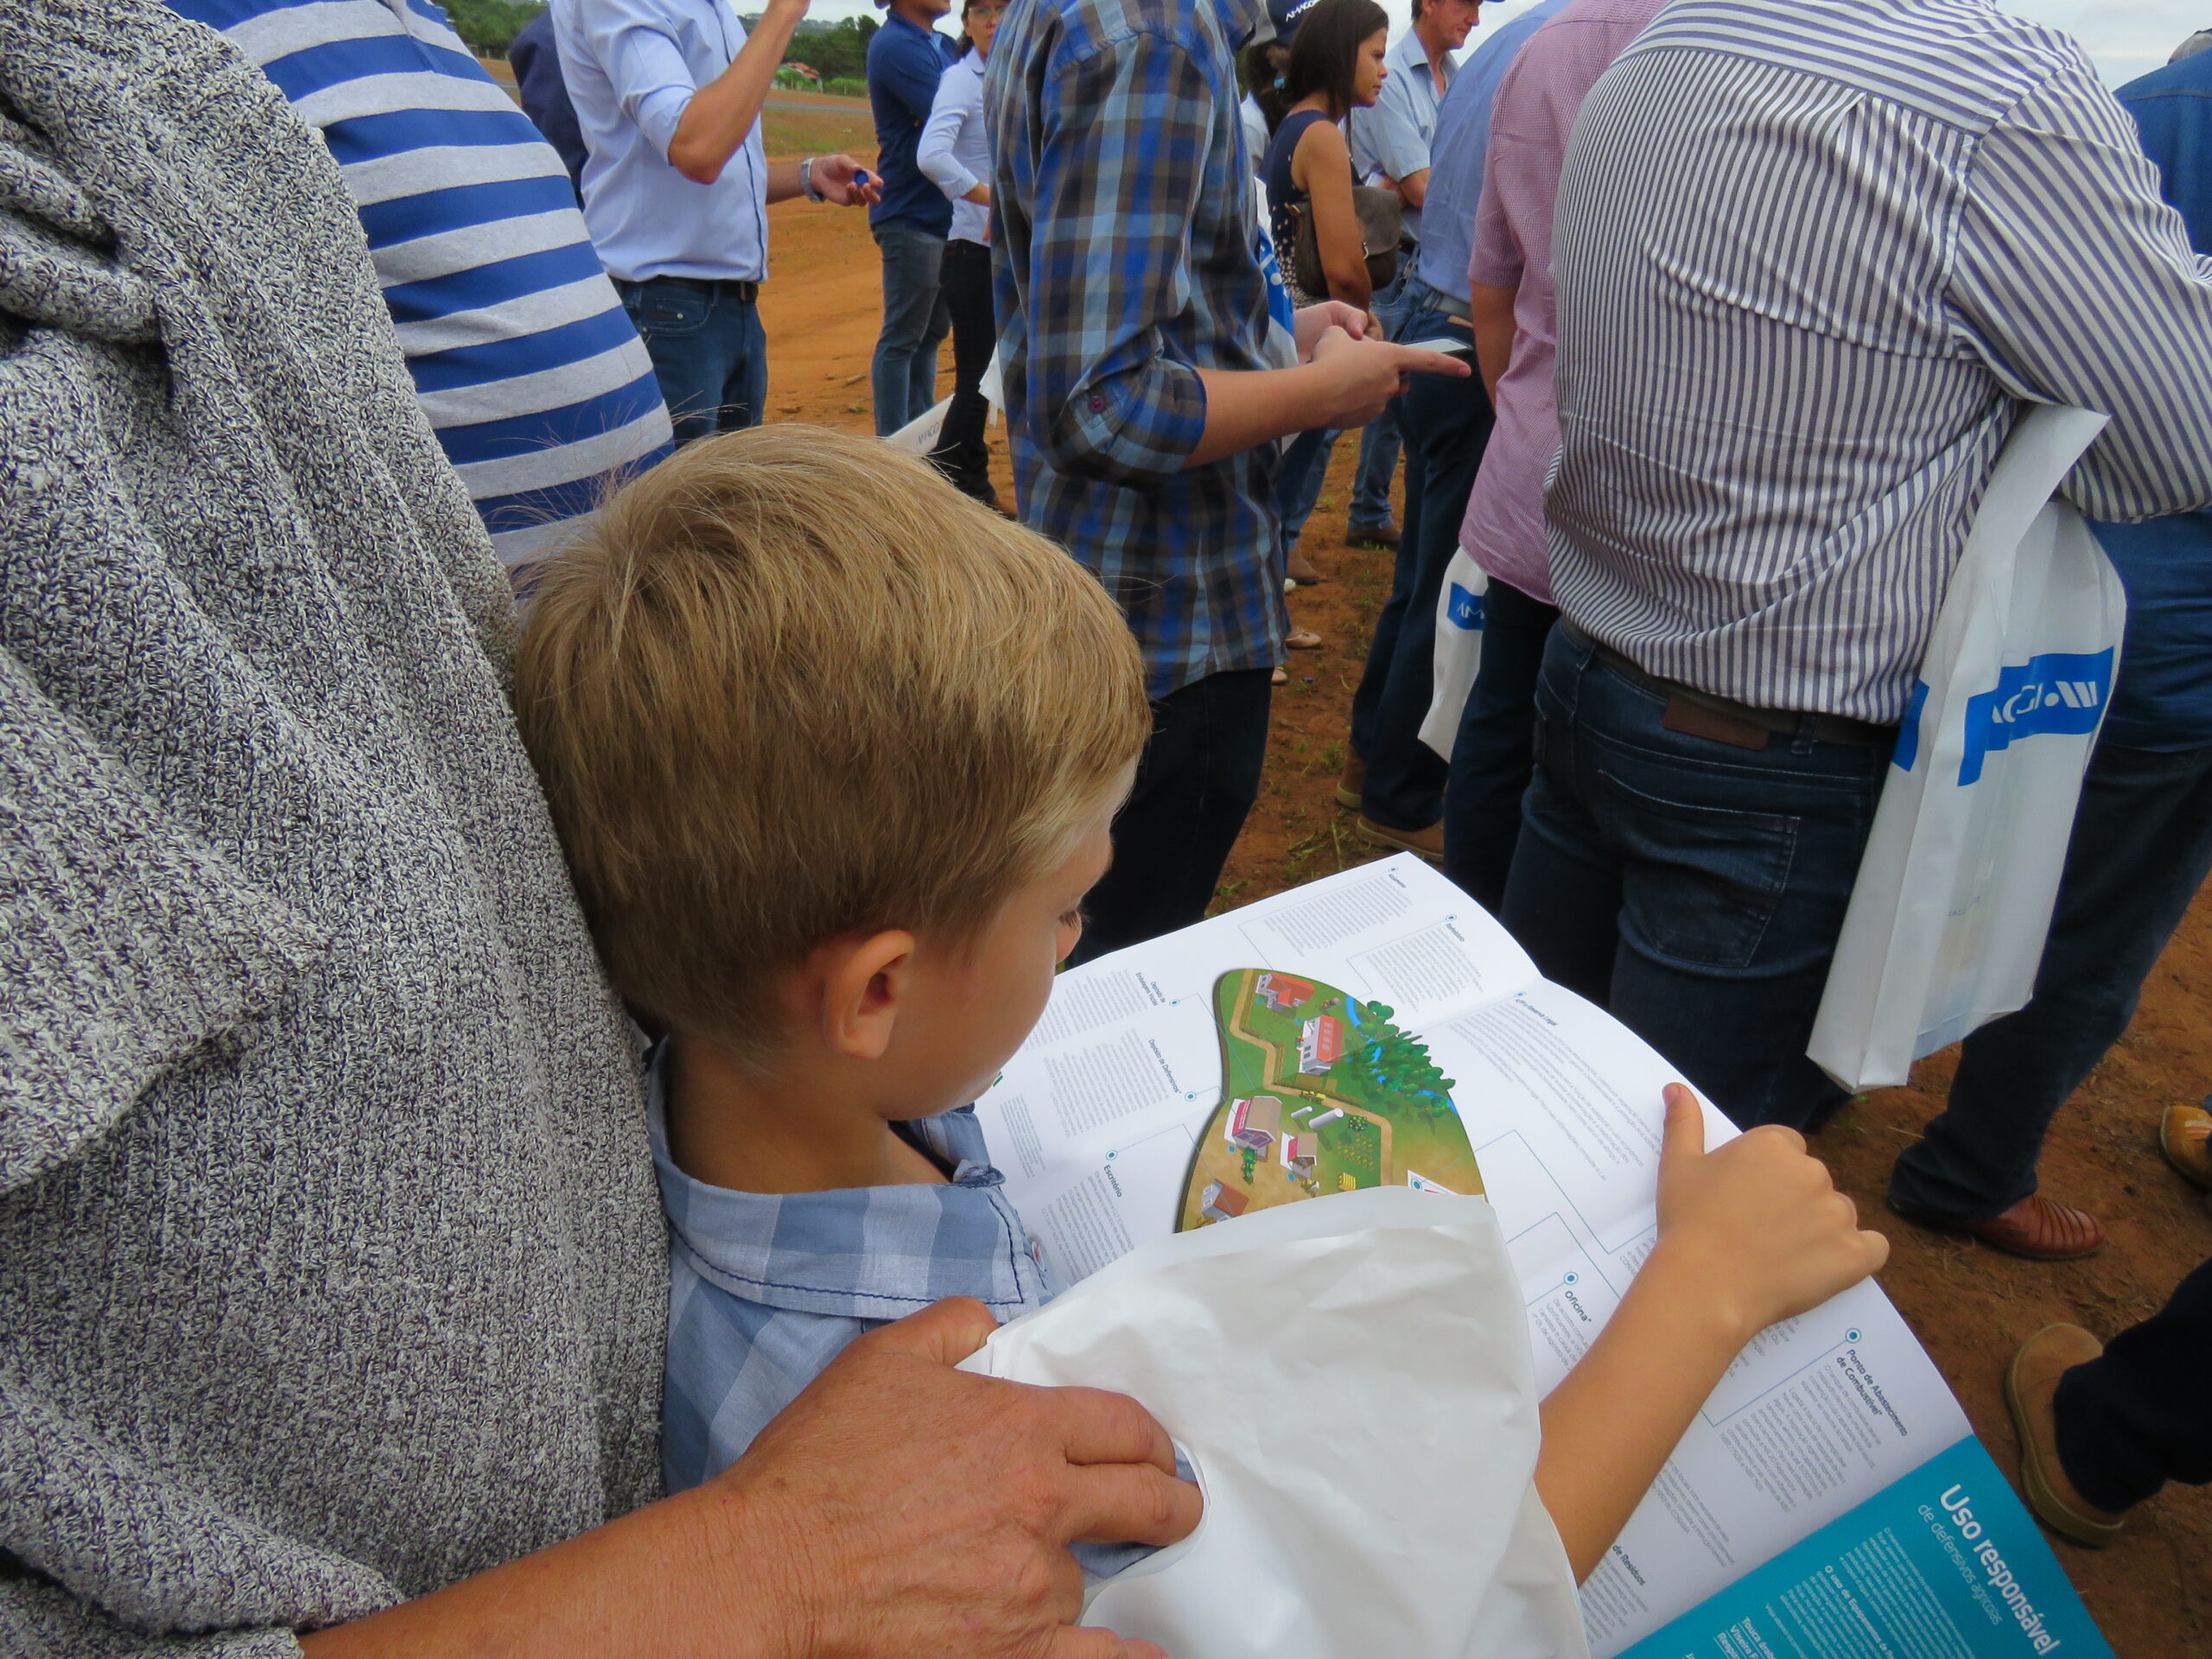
x,y
524,359
1812,256
765,1289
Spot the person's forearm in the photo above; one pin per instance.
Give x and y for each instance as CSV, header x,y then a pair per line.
x,y
1491,312
599,1596
783,180
1611,1425
1246,407
1413,189
722,113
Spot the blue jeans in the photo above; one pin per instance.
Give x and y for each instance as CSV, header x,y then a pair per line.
x,y
708,351
1446,425
1298,480
2142,846
915,322
1378,440
1495,750
1693,886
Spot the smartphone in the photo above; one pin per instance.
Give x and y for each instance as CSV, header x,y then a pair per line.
x,y
1448,344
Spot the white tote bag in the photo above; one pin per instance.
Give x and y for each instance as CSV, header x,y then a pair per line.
x,y
1954,899
1462,607
1351,1380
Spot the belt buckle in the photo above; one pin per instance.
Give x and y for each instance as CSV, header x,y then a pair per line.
x,y
1693,719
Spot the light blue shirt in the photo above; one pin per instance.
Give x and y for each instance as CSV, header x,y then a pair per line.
x,y
1460,147
954,151
633,66
1394,138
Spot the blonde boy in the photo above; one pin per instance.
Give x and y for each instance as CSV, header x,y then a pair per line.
x,y
835,754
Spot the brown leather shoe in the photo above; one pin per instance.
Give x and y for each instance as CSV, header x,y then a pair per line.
x,y
2040,1229
2185,1136
1302,570
1429,841
1352,780
2031,1383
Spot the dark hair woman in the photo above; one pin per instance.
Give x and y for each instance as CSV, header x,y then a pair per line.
x,y
1336,66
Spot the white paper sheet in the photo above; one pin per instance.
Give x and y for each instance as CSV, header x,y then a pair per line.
x,y
1095,1121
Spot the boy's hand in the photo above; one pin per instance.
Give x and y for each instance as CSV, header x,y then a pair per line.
x,y
1364,375
1756,1227
1315,320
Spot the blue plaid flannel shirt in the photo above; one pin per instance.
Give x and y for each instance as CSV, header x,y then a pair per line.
x,y
1124,231
765,1289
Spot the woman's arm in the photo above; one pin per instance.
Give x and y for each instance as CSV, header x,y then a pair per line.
x,y
1321,166
1750,1233
952,110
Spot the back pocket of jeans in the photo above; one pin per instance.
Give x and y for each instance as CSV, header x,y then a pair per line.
x,y
1700,884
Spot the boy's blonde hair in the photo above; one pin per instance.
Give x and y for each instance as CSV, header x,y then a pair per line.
x,y
790,686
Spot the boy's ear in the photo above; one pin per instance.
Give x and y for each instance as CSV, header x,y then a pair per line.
x,y
865,984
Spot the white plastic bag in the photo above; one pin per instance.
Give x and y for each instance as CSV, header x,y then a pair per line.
x,y
921,435
1954,899
1350,1379
1462,610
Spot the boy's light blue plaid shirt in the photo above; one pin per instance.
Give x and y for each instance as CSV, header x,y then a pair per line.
x,y
765,1289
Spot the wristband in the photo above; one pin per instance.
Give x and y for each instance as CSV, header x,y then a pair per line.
x,y
806,186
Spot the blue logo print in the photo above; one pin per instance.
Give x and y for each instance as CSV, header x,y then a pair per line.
x,y
2062,692
1908,748
1466,608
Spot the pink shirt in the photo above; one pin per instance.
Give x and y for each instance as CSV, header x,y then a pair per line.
x,y
1530,118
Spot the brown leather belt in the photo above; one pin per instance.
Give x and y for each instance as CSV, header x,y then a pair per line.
x,y
1724,720
744,292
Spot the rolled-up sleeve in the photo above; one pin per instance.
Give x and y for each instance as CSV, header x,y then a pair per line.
x,y
1119,175
2077,284
635,45
1385,138
959,100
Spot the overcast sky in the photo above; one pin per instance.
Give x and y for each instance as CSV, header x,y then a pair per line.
x,y
2126,40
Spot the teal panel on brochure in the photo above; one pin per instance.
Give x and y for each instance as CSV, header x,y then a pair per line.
x,y
1943,1564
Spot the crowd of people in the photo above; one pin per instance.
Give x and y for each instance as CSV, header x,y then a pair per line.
x,y
516,874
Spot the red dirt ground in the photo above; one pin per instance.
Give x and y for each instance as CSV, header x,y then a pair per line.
x,y
1971,1305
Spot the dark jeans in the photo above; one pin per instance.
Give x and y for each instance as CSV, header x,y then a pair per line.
x,y
1446,423
708,351
1299,480
903,373
2142,845
1494,752
1693,887
2136,1418
1199,776
1379,439
961,454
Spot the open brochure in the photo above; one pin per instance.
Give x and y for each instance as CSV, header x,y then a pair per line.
x,y
1378,1027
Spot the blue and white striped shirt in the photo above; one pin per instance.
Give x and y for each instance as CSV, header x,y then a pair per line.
x,y
524,360
765,1289
1812,256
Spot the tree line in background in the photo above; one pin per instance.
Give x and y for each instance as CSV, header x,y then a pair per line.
x,y
834,50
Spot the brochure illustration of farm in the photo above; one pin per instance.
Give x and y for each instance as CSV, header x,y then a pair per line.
x,y
1377,1028
1320,1093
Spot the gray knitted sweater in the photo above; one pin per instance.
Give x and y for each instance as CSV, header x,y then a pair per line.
x,y
331,1268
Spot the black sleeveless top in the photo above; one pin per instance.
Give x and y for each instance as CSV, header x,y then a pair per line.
x,y
1284,199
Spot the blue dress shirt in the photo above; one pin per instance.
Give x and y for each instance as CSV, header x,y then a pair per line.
x,y
633,66
1394,138
904,63
1461,146
2163,700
